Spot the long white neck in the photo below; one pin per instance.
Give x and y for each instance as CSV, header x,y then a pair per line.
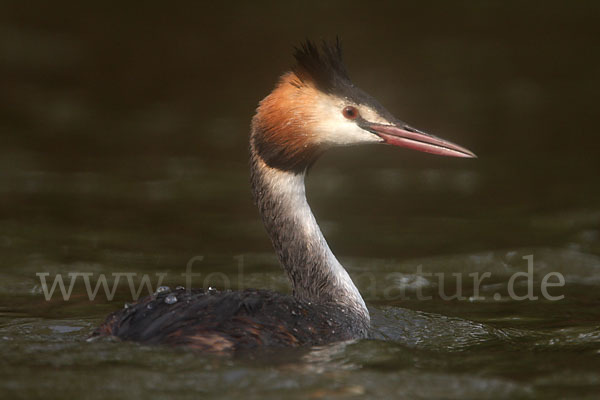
x,y
316,275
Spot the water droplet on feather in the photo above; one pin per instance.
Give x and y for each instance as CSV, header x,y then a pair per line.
x,y
171,299
162,289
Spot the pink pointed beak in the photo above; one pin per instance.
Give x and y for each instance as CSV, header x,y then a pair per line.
x,y
412,138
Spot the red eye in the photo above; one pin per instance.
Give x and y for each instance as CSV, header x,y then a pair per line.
x,y
350,112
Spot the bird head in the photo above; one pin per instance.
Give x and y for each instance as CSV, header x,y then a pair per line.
x,y
316,106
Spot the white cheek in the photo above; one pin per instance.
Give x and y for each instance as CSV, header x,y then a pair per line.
x,y
334,129
345,132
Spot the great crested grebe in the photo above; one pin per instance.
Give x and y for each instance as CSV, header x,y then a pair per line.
x,y
312,108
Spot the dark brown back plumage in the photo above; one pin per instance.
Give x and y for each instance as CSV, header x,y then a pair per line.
x,y
224,322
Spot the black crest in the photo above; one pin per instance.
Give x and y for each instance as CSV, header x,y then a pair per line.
x,y
322,66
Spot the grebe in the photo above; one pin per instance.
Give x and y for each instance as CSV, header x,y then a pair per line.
x,y
313,107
